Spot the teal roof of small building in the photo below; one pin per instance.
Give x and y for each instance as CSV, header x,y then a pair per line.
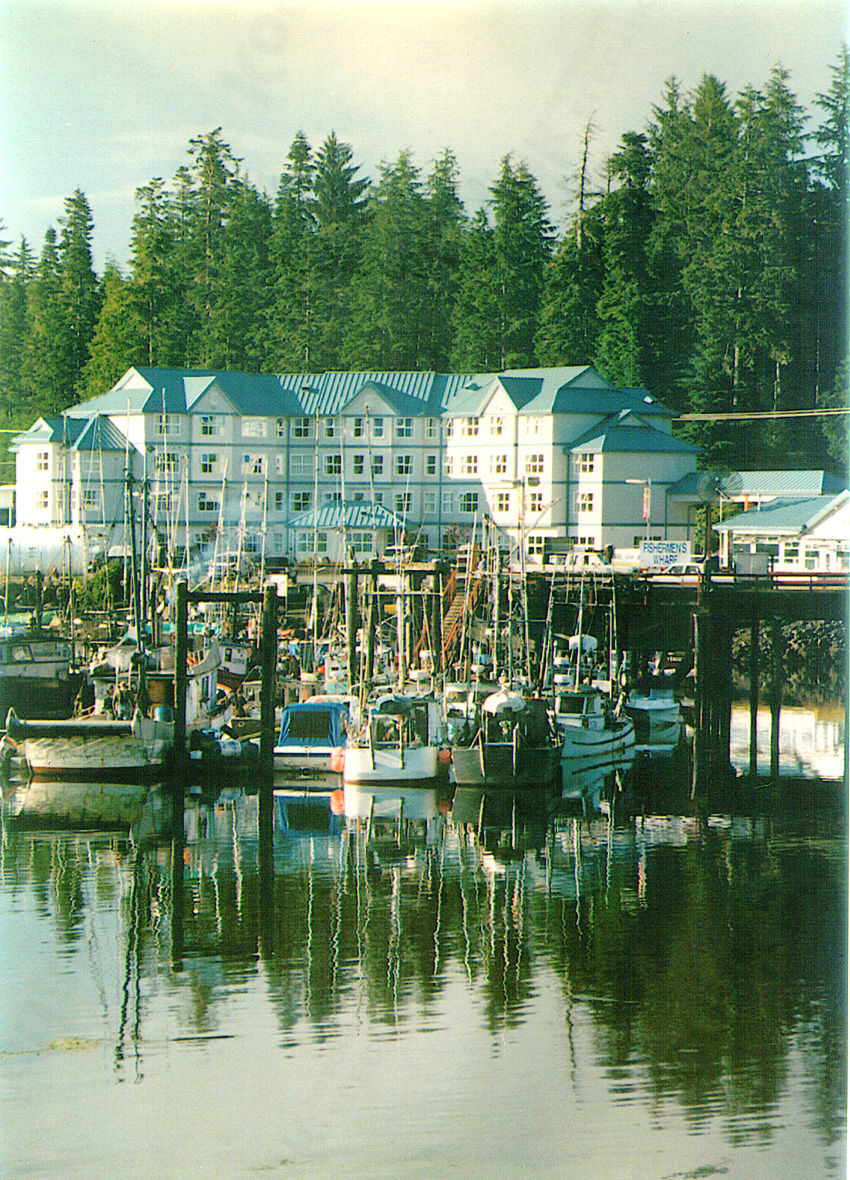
x,y
616,436
783,516
49,430
795,483
352,515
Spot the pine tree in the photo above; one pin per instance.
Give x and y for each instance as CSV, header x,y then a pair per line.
x,y
445,229
118,341
291,314
522,240
79,295
18,274
45,380
476,343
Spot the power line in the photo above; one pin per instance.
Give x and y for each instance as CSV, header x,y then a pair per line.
x,y
742,417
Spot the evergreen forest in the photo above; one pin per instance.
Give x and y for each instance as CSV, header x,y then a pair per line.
x,y
708,265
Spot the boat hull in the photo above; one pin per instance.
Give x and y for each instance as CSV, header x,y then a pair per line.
x,y
417,765
498,766
93,751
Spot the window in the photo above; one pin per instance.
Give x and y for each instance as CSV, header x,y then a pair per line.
x,y
450,427
162,502
252,465
469,502
278,464
496,425
333,464
164,462
534,545
250,545
208,464
280,427
469,427
91,498
404,427
301,501
448,501
42,461
377,428
253,428
359,464
534,465
585,462
278,501
358,497
498,464
432,428
209,425
357,428
301,465
502,502
377,464
300,427
403,464
431,465
168,424
447,465
307,543
42,501
469,465
361,542
205,504
332,498
330,428
429,503
532,426
583,501
403,502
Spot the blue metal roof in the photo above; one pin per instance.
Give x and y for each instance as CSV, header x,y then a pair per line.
x,y
784,516
614,435
100,434
357,515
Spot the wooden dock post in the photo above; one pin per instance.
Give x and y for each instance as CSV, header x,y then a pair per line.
x,y
700,699
775,694
268,658
178,774
754,690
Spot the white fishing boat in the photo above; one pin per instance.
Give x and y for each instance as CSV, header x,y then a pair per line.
x,y
308,755
401,740
592,732
93,749
656,714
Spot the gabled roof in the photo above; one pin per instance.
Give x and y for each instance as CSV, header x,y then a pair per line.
x,y
627,431
785,516
795,483
49,430
355,514
573,390
100,434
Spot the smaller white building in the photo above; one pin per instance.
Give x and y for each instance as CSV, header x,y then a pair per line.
x,y
810,535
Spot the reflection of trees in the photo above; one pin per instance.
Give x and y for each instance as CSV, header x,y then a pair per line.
x,y
702,961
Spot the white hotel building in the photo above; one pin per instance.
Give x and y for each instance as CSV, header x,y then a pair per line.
x,y
302,464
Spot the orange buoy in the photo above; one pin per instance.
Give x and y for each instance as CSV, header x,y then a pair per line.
x,y
337,802
337,759
444,755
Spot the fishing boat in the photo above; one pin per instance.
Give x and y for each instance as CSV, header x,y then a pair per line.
x,y
656,714
512,745
36,679
592,732
92,749
309,752
401,740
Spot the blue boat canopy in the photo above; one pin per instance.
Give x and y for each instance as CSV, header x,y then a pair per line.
x,y
314,723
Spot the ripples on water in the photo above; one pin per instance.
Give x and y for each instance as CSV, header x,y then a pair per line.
x,y
656,996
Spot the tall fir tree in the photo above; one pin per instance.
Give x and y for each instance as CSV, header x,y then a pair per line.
x,y
118,340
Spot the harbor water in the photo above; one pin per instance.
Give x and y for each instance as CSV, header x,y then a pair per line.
x,y
598,994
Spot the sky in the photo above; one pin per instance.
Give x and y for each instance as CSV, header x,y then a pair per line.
x,y
104,95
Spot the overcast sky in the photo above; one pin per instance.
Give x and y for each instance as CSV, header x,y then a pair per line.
x,y
103,95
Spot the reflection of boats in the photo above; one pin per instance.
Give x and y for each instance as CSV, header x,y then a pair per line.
x,y
512,745
593,785
93,749
593,734
656,713
35,675
309,751
398,743
78,803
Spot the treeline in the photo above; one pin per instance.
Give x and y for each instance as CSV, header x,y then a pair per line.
x,y
709,267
